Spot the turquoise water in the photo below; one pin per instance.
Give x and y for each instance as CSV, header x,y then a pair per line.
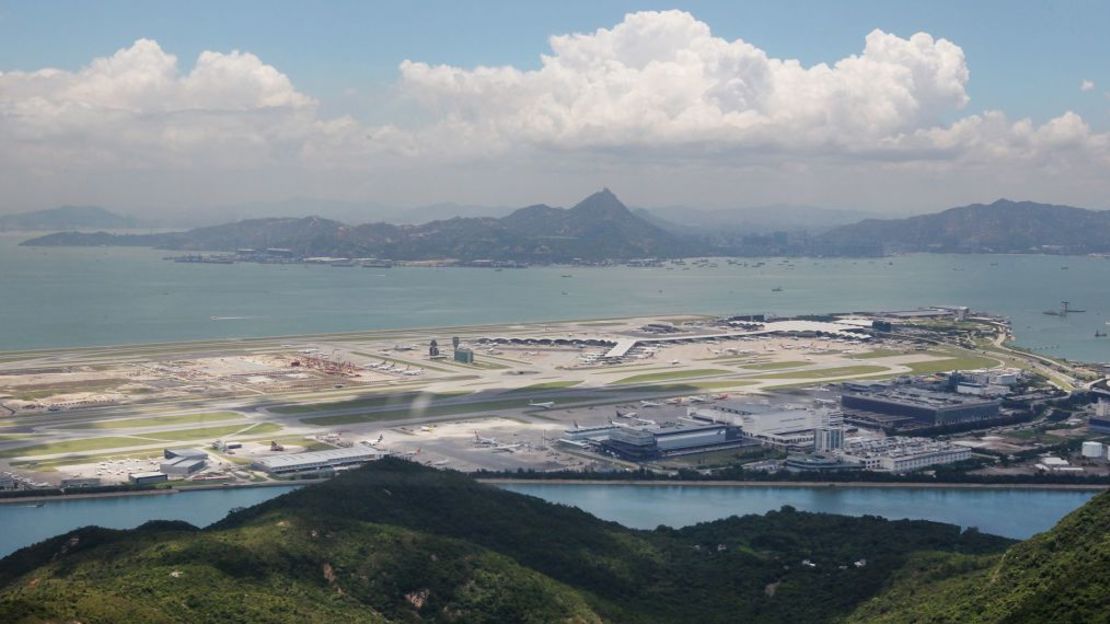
x,y
57,297
24,524
1011,512
1016,513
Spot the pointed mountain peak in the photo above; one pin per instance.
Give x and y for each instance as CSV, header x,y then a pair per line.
x,y
601,202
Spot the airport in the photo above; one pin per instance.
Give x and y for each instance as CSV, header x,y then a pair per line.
x,y
604,395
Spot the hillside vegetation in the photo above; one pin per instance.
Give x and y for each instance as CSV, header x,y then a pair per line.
x,y
1059,576
398,542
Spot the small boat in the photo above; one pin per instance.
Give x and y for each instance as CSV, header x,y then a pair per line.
x,y
1100,334
777,289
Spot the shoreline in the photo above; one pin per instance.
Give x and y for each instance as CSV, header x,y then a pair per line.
x,y
806,484
1063,487
153,492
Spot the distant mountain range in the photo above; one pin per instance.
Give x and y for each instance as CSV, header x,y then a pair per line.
x,y
338,210
598,227
67,218
601,227
1001,227
753,220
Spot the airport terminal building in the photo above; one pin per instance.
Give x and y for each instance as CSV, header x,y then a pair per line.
x,y
653,442
900,406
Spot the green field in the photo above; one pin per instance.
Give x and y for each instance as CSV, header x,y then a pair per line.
x,y
214,433
73,460
776,365
428,411
879,353
261,429
546,385
691,387
827,373
75,446
381,400
672,375
951,364
156,421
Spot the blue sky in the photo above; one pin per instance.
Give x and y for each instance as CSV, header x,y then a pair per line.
x,y
1027,58
322,103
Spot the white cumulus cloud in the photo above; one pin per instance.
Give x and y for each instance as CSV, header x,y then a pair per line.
x,y
658,89
137,108
661,85
1087,85
661,79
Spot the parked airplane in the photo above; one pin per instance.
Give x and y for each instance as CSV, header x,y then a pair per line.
x,y
479,440
542,404
505,448
650,404
625,414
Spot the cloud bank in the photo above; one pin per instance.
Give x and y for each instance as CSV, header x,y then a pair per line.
x,y
658,89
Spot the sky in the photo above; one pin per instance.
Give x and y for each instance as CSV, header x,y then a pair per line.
x,y
890,107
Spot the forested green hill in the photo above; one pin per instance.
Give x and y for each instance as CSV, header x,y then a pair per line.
x,y
398,542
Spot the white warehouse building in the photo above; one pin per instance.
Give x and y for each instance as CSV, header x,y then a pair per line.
x,y
901,454
317,460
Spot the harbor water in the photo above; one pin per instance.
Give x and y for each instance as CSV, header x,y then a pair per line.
x,y
25,523
1016,513
71,297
